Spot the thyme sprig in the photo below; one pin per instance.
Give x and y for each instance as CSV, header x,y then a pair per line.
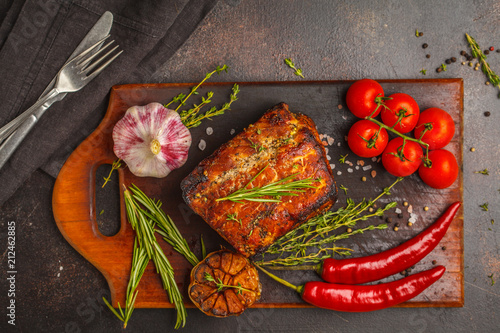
x,y
220,285
483,172
182,100
144,228
115,166
271,192
290,64
194,119
167,227
140,261
485,67
233,217
317,234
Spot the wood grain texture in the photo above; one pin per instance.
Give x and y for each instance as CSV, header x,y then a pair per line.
x,y
74,191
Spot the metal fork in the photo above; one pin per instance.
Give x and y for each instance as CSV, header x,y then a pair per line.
x,y
72,77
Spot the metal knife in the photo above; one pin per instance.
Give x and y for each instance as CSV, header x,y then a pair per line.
x,y
96,33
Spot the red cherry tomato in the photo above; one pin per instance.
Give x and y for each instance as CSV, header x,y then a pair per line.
x,y
441,128
443,170
404,105
364,141
362,97
405,165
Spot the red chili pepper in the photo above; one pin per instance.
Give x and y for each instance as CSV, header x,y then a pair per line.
x,y
341,297
356,298
378,266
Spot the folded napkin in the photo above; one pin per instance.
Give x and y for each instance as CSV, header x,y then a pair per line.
x,y
37,37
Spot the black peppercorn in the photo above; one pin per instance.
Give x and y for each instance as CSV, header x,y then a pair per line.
x,y
420,34
427,56
425,45
443,248
487,114
388,220
400,215
469,57
448,61
434,262
463,52
453,59
486,51
439,69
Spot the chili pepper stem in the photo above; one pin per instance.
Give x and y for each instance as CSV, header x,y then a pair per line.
x,y
283,282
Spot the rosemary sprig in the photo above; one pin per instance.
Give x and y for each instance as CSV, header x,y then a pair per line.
x,y
290,64
168,229
140,261
485,67
220,285
316,233
203,249
144,227
115,166
195,119
274,190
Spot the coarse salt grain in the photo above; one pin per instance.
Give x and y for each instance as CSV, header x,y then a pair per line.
x,y
360,162
232,131
330,140
374,159
338,144
332,166
339,173
350,170
397,211
326,150
367,167
202,145
357,167
410,209
210,131
328,157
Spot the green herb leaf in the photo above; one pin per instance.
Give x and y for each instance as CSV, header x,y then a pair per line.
x,y
484,207
342,158
483,172
290,64
423,71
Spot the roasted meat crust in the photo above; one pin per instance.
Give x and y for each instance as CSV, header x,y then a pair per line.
x,y
283,144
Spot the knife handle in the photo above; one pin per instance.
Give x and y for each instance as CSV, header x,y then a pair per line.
x,y
14,140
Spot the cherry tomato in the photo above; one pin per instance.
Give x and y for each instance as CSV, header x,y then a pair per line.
x,y
443,170
400,104
363,96
364,141
442,128
405,165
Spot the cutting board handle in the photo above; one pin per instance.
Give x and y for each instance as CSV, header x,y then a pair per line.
x,y
73,203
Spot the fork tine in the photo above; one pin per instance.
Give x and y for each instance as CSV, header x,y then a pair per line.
x,y
87,51
98,61
84,63
100,69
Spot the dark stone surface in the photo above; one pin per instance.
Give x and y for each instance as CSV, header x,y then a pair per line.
x,y
57,290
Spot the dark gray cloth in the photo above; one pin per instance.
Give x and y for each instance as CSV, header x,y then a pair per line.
x,y
36,38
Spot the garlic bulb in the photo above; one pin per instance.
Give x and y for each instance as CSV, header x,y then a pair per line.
x,y
152,140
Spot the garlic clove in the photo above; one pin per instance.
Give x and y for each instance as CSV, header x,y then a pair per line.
x,y
152,140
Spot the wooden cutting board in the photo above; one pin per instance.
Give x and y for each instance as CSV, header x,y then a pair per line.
x,y
75,191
